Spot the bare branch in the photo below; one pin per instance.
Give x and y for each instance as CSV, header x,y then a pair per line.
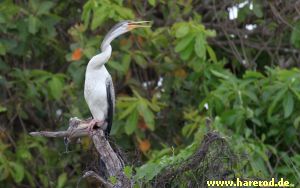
x,y
50,133
77,128
92,176
114,164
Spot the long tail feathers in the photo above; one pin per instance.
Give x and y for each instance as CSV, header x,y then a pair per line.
x,y
110,110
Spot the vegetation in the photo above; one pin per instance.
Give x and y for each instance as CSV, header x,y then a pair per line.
x,y
233,62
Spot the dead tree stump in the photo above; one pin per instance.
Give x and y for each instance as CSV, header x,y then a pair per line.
x,y
114,164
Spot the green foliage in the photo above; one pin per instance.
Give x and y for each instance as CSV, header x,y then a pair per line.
x,y
128,171
153,167
295,36
259,109
134,107
191,42
62,179
169,80
104,10
169,156
113,179
35,20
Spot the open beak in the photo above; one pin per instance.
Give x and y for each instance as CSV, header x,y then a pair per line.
x,y
132,25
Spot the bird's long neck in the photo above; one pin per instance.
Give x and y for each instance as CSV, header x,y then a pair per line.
x,y
99,60
110,36
105,43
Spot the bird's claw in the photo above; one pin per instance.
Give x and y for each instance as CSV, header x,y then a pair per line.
x,y
92,124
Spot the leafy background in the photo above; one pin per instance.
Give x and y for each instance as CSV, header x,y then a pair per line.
x,y
235,62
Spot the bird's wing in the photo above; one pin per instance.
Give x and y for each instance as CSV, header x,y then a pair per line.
x,y
111,104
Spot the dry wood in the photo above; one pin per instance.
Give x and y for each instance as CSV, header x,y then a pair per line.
x,y
77,128
92,176
114,164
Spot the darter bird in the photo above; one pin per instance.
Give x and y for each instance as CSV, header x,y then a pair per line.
x,y
98,88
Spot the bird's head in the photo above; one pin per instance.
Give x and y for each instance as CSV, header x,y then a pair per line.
x,y
128,25
123,27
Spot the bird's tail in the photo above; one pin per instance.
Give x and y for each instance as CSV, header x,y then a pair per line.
x,y
110,111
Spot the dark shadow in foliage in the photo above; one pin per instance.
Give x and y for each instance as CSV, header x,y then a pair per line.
x,y
212,161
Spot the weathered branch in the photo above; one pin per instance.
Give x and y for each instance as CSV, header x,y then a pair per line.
x,y
114,164
50,133
77,128
93,176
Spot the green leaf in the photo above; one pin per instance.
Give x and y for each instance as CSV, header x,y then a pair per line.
x,y
229,117
182,31
211,53
62,179
251,95
219,74
113,179
40,73
140,60
295,36
86,13
17,171
297,122
4,172
9,44
243,12
33,24
117,66
210,33
259,166
44,7
44,179
2,49
288,104
131,123
183,43
253,74
99,17
152,2
34,5
188,129
200,46
276,99
126,62
154,104
197,64
148,171
123,13
24,153
89,52
257,9
2,19
147,114
186,53
128,110
3,109
128,171
56,86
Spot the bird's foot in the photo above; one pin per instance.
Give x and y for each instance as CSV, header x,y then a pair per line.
x,y
94,123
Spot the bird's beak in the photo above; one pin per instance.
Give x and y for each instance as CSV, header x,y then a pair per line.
x,y
139,24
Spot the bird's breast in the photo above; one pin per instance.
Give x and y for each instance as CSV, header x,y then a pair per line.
x,y
95,92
